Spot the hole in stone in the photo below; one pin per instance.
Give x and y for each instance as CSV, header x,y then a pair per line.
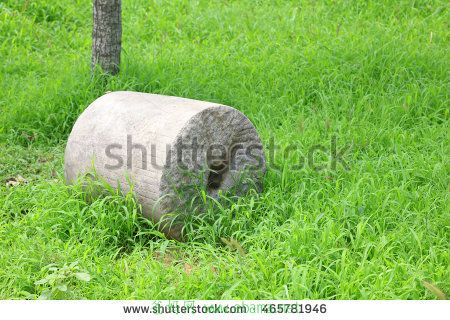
x,y
216,175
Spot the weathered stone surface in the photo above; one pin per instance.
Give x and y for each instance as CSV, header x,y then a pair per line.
x,y
166,147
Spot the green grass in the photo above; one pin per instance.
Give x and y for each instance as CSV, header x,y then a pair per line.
x,y
374,74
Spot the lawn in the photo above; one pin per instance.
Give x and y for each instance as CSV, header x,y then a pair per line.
x,y
372,75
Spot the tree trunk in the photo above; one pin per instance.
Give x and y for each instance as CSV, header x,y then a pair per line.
x,y
107,35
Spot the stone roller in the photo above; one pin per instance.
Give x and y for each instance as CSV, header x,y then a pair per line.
x,y
166,148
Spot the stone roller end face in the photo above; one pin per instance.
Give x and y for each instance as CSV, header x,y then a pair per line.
x,y
166,149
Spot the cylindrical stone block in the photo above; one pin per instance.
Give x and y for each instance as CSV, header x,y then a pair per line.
x,y
167,148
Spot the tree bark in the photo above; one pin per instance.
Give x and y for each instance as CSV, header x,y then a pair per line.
x,y
107,35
